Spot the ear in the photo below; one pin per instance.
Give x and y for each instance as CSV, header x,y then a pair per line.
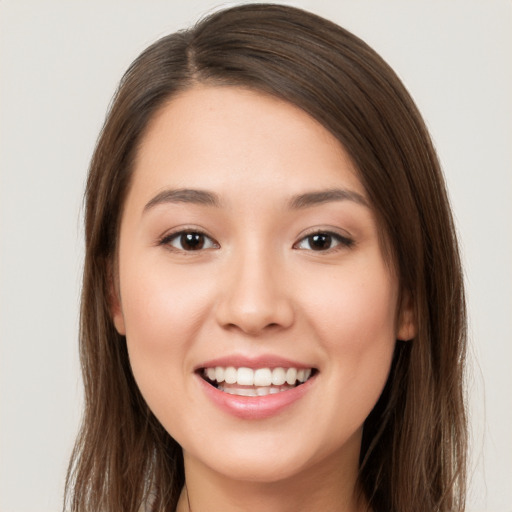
x,y
114,300
406,325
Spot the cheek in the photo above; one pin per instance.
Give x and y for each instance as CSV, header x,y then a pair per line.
x,y
162,318
353,307
354,316
160,303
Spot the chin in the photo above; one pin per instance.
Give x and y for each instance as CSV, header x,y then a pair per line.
x,y
264,472
273,460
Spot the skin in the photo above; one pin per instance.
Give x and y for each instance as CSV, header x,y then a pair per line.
x,y
256,288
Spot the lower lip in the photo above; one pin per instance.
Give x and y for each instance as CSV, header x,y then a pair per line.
x,y
255,407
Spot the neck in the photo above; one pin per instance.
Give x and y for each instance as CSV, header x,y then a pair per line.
x,y
327,487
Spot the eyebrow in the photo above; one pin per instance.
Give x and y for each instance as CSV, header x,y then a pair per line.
x,y
184,195
306,200
325,196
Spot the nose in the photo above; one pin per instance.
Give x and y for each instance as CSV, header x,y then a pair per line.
x,y
254,296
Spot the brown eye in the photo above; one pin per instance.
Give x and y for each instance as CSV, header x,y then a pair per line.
x,y
192,241
320,241
189,241
323,241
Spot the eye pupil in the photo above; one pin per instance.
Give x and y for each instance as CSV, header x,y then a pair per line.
x,y
192,241
320,241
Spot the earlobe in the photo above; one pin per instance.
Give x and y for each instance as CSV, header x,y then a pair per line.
x,y
116,311
118,319
406,326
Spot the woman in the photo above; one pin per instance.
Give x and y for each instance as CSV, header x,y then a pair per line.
x,y
273,311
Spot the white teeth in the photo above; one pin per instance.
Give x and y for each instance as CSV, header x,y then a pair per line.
x,y
230,375
245,377
291,376
261,377
254,391
278,376
240,391
219,374
245,392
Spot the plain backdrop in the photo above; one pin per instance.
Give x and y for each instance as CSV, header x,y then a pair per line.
x,y
59,65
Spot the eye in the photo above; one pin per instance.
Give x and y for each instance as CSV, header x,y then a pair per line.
x,y
323,241
189,241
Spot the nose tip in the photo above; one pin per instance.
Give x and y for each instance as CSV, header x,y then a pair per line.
x,y
253,321
254,301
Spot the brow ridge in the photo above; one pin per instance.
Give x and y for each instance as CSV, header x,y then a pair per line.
x,y
310,199
300,201
183,195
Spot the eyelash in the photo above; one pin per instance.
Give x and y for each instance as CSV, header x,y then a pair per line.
x,y
329,236
178,235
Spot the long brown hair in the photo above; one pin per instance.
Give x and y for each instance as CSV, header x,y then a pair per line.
x,y
414,441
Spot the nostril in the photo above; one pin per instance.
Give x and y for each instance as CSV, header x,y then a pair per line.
x,y
254,305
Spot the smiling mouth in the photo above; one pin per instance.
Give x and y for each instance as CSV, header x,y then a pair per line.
x,y
255,382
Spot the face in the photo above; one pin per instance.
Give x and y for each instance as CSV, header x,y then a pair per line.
x,y
259,313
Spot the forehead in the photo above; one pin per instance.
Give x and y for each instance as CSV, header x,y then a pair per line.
x,y
226,137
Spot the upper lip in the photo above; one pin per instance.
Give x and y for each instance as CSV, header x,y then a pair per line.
x,y
263,361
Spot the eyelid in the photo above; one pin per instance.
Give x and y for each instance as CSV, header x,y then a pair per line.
x,y
343,240
181,230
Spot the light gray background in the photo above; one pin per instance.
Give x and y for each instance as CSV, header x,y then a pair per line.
x,y
59,65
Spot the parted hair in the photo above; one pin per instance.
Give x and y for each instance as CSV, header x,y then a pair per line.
x,y
413,453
